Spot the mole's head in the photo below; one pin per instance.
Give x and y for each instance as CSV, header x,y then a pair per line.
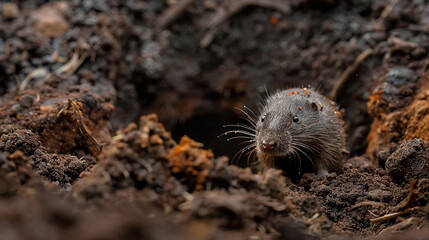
x,y
285,123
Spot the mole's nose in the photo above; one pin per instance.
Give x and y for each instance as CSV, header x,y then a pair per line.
x,y
268,145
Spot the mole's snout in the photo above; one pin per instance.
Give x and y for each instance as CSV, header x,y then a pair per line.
x,y
269,145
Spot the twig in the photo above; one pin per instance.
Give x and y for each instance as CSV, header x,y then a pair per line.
x,y
66,67
373,214
347,73
387,10
222,14
396,209
71,66
387,217
316,215
39,72
173,13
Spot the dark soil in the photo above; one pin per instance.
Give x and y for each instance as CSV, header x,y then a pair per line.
x,y
110,112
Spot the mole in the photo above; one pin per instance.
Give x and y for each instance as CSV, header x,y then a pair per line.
x,y
297,130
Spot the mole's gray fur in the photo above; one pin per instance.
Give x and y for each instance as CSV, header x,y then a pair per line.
x,y
299,125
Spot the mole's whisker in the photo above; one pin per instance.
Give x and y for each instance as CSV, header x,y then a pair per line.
x,y
244,149
261,103
253,124
307,146
251,120
241,125
302,151
242,137
239,131
250,110
249,154
299,158
266,91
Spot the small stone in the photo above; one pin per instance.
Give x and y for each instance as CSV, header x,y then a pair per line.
x,y
399,76
397,44
10,11
50,22
62,7
379,195
26,101
409,161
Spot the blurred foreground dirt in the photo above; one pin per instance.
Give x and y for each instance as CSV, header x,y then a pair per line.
x,y
84,156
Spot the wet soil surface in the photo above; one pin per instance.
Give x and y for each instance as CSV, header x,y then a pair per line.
x,y
110,112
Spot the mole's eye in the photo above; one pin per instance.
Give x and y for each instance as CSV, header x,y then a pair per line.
x,y
262,118
295,118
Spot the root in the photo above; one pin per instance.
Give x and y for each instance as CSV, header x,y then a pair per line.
x,y
232,8
387,217
39,72
397,209
347,73
408,200
72,112
387,10
71,66
173,13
